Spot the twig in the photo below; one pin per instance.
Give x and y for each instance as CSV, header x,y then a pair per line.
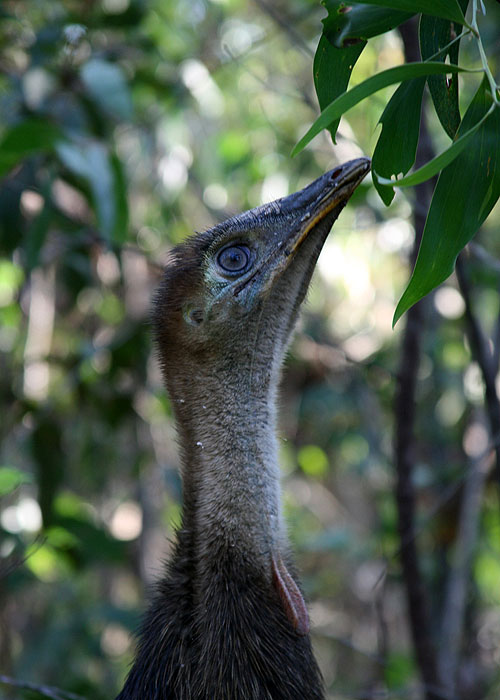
x,y
482,53
286,25
46,690
12,562
266,84
479,252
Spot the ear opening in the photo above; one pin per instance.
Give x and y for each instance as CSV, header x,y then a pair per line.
x,y
193,315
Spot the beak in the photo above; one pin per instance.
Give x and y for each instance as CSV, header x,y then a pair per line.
x,y
325,195
303,212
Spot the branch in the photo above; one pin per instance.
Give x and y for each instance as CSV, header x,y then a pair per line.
x,y
444,497
477,251
483,356
404,450
418,606
455,598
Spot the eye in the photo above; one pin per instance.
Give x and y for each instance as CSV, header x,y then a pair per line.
x,y
234,258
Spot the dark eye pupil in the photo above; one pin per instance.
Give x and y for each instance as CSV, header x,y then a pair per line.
x,y
234,258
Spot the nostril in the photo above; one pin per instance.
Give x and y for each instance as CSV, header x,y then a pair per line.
x,y
335,173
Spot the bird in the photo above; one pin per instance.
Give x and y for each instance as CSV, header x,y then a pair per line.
x,y
228,619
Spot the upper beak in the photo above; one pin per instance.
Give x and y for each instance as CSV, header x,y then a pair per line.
x,y
329,192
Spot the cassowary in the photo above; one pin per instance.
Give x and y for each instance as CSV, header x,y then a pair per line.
x,y
228,620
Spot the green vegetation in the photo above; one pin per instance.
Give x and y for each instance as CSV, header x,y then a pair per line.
x,y
124,126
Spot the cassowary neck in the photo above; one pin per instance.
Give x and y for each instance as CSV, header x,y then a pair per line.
x,y
226,419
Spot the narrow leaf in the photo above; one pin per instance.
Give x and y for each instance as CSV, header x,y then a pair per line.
x,y
447,9
120,188
332,70
346,26
397,144
434,166
349,99
465,193
434,34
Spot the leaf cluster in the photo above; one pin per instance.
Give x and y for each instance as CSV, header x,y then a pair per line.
x,y
469,173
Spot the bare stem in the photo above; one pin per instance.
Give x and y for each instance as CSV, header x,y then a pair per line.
x,y
482,54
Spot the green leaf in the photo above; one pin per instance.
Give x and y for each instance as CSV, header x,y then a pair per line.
x,y
332,70
447,9
11,478
434,35
346,26
94,543
434,166
24,139
91,161
397,144
349,99
121,213
106,84
465,193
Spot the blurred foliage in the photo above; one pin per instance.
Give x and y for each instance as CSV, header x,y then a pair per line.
x,y
125,125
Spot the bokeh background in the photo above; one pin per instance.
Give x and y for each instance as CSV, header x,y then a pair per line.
x,y
125,125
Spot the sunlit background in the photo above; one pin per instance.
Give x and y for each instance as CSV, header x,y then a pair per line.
x,y
167,116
